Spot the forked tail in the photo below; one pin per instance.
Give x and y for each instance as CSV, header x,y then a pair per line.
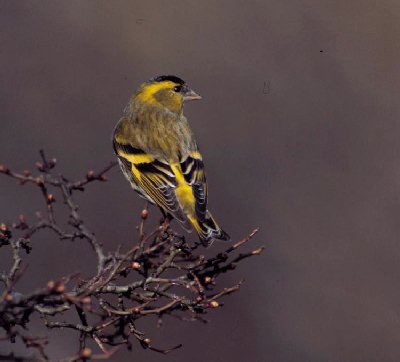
x,y
208,230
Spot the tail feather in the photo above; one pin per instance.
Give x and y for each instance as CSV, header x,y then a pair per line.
x,y
208,230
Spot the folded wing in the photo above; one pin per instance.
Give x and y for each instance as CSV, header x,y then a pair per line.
x,y
154,177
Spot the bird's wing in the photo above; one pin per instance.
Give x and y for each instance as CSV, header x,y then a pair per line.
x,y
155,177
193,171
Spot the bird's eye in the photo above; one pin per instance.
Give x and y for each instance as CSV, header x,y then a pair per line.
x,y
177,88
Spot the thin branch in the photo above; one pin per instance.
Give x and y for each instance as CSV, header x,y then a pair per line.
x,y
107,305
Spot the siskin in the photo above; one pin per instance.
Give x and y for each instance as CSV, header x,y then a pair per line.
x,y
159,156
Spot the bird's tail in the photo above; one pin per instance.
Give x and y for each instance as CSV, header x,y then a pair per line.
x,y
208,230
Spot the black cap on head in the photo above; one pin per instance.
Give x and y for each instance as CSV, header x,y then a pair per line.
x,y
172,78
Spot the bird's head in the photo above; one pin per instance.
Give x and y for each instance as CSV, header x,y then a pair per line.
x,y
166,91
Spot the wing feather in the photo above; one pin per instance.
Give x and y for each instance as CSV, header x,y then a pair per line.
x,y
194,174
155,177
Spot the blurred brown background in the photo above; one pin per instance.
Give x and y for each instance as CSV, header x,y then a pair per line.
x,y
299,128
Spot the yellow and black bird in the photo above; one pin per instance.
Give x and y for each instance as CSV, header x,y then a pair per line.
x,y
159,156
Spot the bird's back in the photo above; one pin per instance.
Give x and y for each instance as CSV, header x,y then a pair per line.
x,y
158,132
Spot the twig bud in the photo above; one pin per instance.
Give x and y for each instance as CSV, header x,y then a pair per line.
x,y
27,173
5,232
214,304
8,297
51,285
144,214
258,251
22,224
136,310
90,176
135,265
39,181
40,166
55,287
51,198
85,353
207,280
51,163
4,169
147,341
60,288
86,300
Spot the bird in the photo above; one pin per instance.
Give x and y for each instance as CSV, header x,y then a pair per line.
x,y
158,154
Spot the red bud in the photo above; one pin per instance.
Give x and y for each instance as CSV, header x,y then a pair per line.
x,y
214,304
144,214
90,175
135,265
85,353
4,169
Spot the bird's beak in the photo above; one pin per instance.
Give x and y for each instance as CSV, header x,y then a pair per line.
x,y
190,95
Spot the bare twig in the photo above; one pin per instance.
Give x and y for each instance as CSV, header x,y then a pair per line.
x,y
187,296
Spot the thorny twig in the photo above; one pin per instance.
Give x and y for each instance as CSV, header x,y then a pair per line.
x,y
151,292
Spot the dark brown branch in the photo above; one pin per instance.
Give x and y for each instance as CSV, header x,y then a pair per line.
x,y
187,296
